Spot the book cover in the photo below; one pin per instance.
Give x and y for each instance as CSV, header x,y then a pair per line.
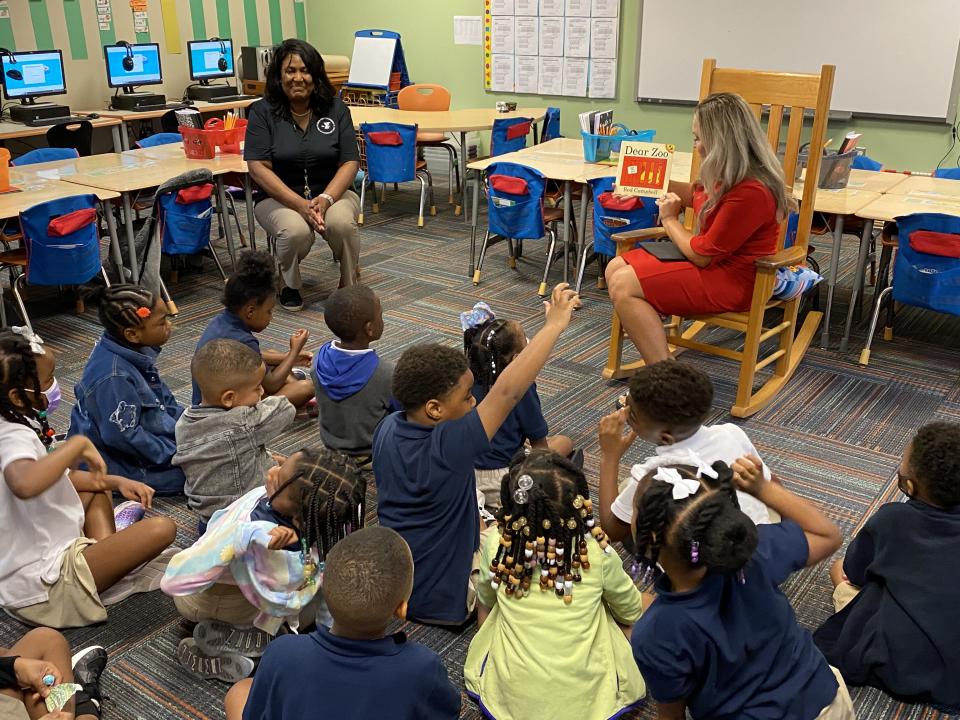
x,y
644,168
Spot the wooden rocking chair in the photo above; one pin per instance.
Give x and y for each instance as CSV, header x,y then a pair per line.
x,y
796,92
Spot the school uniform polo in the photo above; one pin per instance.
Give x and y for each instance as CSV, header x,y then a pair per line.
x,y
225,326
327,142
322,675
900,633
525,422
734,651
426,491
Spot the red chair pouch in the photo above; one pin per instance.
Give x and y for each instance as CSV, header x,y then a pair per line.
x,y
509,184
71,222
518,130
385,137
609,201
194,194
935,243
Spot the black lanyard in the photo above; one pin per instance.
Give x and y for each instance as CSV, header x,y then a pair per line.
x,y
305,133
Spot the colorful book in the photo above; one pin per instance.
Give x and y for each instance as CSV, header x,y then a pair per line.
x,y
849,142
644,168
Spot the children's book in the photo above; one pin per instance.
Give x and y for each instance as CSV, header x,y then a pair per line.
x,y
644,168
849,142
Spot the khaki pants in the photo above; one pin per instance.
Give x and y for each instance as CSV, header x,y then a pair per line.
x,y
294,237
843,594
219,602
842,707
11,709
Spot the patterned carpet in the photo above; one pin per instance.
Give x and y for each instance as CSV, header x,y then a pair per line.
x,y
835,434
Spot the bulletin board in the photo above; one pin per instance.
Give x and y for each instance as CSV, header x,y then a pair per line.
x,y
551,47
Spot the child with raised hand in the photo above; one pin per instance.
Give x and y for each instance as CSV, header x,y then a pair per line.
x,y
552,576
62,551
667,405
353,669
490,345
351,381
424,459
222,443
260,562
123,405
721,639
249,298
896,595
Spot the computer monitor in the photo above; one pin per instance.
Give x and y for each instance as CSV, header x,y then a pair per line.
x,y
131,65
210,59
30,74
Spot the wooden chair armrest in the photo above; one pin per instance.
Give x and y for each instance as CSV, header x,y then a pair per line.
x,y
790,256
633,236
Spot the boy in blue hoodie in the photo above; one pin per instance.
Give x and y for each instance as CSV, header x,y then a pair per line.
x,y
353,384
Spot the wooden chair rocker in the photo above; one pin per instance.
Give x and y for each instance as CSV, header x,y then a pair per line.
x,y
796,93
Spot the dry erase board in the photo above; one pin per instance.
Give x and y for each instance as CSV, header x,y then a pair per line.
x,y
893,57
372,61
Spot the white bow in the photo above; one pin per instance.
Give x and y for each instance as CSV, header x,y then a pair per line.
x,y
36,342
682,487
702,468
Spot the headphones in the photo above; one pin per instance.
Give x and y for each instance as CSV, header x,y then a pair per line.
x,y
222,62
127,62
12,73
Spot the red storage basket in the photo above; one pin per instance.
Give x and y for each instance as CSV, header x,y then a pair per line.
x,y
199,144
228,140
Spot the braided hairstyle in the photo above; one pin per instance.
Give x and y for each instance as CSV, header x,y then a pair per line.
x,y
545,518
18,373
118,306
332,500
707,527
489,348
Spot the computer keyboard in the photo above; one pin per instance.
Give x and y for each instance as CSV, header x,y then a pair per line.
x,y
44,122
154,108
232,98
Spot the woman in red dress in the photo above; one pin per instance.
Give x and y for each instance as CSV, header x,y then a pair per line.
x,y
740,201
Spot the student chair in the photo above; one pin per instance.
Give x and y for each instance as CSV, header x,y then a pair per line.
x,y
515,211
42,155
551,125
926,272
76,135
160,138
947,173
862,162
509,135
612,214
61,246
431,98
391,151
778,90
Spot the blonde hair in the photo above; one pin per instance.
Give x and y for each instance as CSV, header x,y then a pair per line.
x,y
737,149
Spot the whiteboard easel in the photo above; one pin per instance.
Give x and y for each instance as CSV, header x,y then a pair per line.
x,y
372,61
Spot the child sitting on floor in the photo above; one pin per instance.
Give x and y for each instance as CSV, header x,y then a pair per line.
x,y
260,562
249,298
353,670
552,575
668,404
62,553
491,345
424,459
721,640
351,381
896,593
222,443
123,406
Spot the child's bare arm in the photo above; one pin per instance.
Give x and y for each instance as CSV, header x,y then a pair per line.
x,y
28,478
276,377
522,372
672,711
613,444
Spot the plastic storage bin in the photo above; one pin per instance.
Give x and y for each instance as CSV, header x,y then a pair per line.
x,y
599,147
834,169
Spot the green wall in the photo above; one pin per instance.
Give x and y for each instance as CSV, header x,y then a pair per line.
x,y
426,28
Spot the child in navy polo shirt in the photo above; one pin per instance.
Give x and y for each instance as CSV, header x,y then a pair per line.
x,y
896,591
249,298
424,459
721,639
490,345
352,670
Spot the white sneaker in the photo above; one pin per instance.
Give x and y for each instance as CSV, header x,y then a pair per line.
x,y
145,578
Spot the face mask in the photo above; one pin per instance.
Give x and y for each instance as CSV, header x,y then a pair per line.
x,y
52,394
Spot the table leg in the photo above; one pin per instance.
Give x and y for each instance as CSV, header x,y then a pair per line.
x,y
114,238
832,280
857,280
473,221
124,135
115,134
567,217
463,182
582,233
131,239
248,199
225,218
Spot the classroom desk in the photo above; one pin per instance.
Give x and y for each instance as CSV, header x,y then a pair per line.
x,y
126,116
37,189
928,186
126,173
18,131
452,121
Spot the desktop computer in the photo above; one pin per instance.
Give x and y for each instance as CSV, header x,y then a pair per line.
x,y
33,74
130,66
212,59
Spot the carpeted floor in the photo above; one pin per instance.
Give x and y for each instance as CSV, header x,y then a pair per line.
x,y
835,434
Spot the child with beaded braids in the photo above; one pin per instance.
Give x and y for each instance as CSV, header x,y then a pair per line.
x,y
260,562
123,406
550,576
721,640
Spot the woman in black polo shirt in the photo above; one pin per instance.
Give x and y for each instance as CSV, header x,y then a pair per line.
x,y
302,151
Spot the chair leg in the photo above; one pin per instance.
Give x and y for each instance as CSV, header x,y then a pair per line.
x,y
103,274
865,353
433,205
888,327
216,259
512,259
236,219
423,198
376,204
551,248
582,264
363,197
21,279
483,252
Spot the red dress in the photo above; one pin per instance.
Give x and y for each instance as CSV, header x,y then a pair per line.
x,y
741,228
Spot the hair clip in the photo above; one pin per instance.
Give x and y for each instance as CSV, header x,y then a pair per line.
x,y
524,482
35,341
144,312
682,487
480,314
520,496
694,552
